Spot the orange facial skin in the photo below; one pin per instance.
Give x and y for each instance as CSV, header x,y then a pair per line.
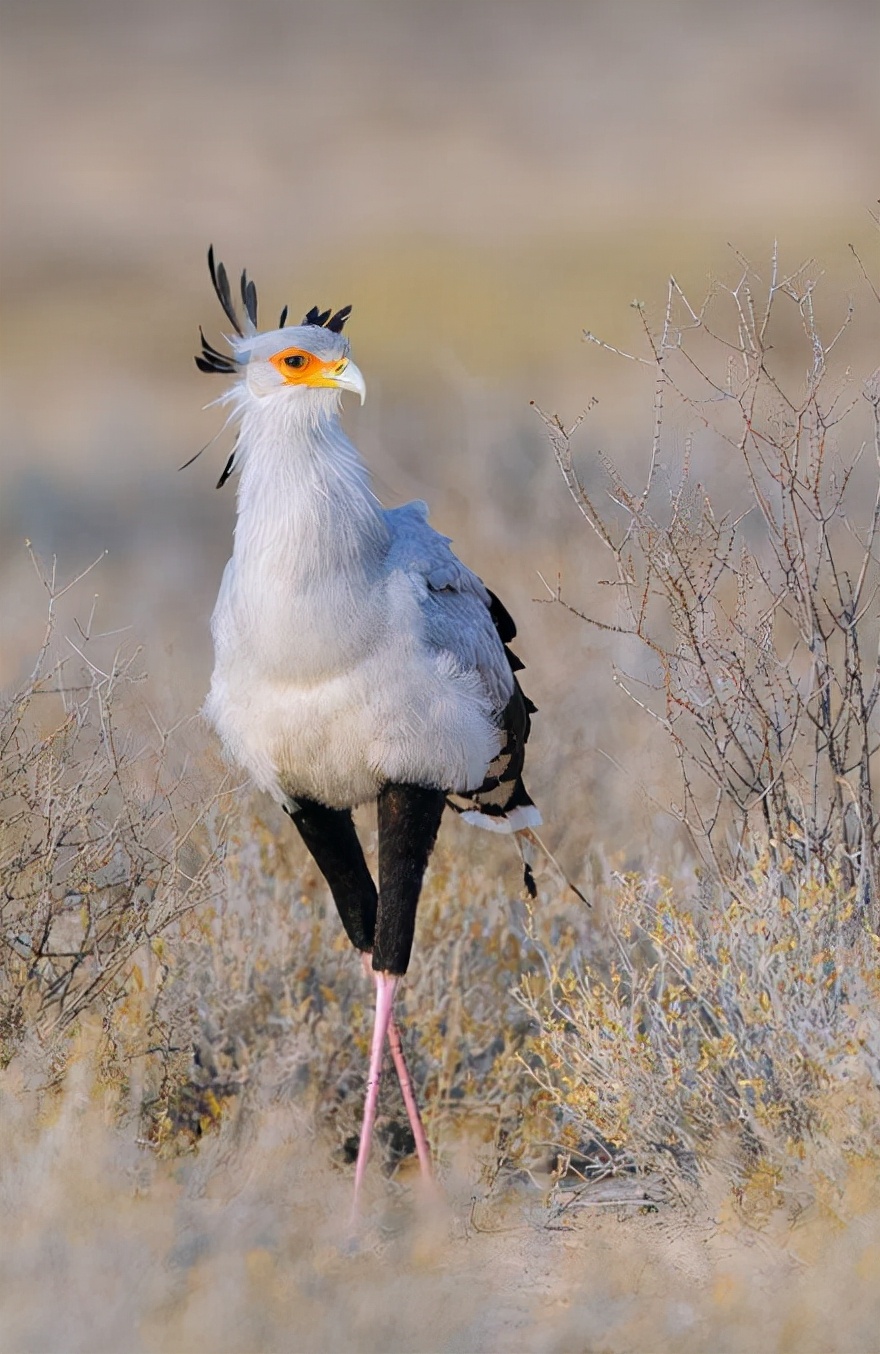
x,y
299,368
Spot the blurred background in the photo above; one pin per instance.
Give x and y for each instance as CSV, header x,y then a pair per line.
x,y
483,182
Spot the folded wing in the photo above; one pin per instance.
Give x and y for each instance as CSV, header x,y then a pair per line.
x,y
463,618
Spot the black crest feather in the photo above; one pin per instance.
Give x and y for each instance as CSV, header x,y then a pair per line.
x,y
221,287
211,361
336,322
249,298
325,319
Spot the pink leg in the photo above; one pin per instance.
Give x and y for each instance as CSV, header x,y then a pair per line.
x,y
385,989
406,1086
409,1099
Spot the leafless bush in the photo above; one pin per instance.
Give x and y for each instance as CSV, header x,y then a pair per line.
x,y
740,1023
93,848
759,624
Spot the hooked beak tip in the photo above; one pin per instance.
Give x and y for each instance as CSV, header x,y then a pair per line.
x,y
350,378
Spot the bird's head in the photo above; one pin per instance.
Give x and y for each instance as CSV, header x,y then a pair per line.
x,y
291,361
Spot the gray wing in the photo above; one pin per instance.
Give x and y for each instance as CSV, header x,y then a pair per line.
x,y
454,601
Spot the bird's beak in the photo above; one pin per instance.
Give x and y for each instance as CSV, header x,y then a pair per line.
x,y
349,378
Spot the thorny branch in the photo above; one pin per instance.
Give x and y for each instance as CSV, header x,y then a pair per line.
x,y
760,626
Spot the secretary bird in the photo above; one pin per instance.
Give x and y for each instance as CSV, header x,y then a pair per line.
x,y
356,658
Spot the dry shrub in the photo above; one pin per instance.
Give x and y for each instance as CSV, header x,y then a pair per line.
x,y
94,833
758,623
741,1030
737,1021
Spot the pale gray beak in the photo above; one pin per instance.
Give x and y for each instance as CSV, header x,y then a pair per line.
x,y
350,378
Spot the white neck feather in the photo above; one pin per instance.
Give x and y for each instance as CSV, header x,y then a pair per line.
x,y
305,506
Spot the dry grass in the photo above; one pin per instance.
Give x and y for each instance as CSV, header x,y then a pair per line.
x,y
240,1246
656,1121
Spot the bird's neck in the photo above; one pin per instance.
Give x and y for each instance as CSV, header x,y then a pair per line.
x,y
305,505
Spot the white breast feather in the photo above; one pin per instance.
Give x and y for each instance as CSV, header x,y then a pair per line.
x,y
352,647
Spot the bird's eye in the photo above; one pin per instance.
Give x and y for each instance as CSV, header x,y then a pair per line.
x,y
295,360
